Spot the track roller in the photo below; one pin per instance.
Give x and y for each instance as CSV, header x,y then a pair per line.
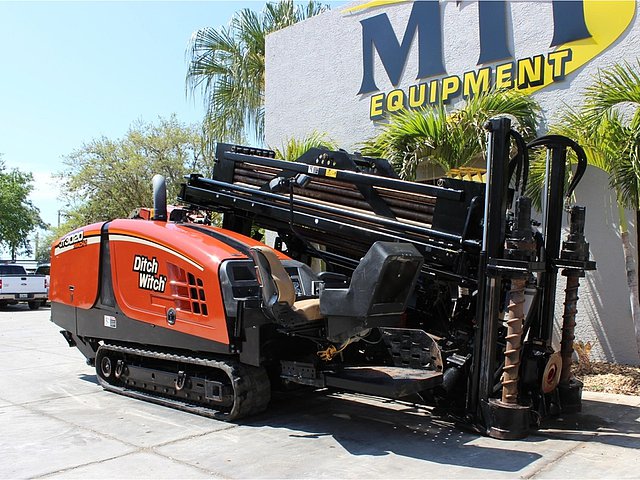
x,y
105,366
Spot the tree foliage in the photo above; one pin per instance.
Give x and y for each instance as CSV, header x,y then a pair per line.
x,y
19,216
45,239
612,112
43,247
293,148
227,66
447,139
607,126
106,179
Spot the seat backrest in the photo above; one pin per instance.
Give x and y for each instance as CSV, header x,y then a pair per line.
x,y
396,280
274,280
380,285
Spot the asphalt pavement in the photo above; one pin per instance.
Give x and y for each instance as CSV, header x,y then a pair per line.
x,y
57,422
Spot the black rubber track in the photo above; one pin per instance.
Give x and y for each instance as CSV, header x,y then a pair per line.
x,y
251,386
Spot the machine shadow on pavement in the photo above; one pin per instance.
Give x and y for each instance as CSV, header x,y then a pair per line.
x,y
377,427
88,378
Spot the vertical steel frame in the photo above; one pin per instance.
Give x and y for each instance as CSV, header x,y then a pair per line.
x,y
489,291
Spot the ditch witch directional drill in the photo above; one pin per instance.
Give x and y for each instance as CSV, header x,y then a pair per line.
x,y
437,294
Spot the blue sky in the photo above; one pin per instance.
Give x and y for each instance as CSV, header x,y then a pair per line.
x,y
74,71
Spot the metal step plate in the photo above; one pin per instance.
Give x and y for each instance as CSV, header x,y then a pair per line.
x,y
384,381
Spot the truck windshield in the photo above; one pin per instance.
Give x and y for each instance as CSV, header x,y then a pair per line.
x,y
12,270
43,270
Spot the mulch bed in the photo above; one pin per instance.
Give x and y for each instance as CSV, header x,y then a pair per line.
x,y
609,377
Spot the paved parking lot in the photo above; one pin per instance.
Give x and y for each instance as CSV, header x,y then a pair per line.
x,y
55,421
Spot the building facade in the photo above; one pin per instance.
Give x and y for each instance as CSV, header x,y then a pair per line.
x,y
341,73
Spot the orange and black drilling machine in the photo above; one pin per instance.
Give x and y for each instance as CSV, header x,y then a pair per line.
x,y
442,294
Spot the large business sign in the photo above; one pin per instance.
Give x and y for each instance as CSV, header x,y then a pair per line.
x,y
581,30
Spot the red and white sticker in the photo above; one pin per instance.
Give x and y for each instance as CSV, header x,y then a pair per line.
x,y
110,321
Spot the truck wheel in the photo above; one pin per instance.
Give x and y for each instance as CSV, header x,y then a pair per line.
x,y
34,305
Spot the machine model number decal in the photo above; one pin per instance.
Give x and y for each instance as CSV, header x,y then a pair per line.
x,y
76,239
148,278
110,321
313,170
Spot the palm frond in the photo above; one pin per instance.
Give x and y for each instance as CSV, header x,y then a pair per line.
x,y
522,109
616,85
293,148
226,66
609,147
607,126
445,140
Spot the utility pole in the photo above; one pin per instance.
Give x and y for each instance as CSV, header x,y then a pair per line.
x,y
37,244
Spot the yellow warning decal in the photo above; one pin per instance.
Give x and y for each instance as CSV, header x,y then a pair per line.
x,y
330,172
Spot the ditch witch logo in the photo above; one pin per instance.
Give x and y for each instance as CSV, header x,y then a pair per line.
x,y
581,30
148,274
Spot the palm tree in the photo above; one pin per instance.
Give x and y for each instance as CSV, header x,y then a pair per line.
x,y
227,66
293,148
444,140
608,128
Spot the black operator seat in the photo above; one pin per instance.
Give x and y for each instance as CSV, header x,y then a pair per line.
x,y
378,293
278,292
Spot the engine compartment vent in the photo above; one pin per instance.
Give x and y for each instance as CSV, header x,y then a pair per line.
x,y
187,291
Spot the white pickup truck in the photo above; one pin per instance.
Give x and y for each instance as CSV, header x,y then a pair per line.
x,y
17,286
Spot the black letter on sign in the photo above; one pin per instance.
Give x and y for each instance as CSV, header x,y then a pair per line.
x,y
568,22
377,33
494,44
